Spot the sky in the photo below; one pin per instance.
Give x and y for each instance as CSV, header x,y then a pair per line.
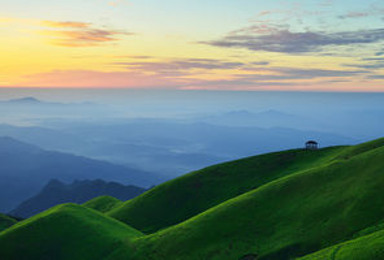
x,y
311,45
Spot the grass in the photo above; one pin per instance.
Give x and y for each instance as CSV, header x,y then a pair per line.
x,y
103,203
66,231
180,199
6,222
289,217
364,248
324,204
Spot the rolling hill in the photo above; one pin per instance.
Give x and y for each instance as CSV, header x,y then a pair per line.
x,y
283,205
103,203
57,192
285,218
184,197
54,234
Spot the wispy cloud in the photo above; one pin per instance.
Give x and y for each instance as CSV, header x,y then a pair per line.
x,y
286,73
91,78
285,41
355,15
80,34
380,76
260,77
372,11
55,24
372,64
182,65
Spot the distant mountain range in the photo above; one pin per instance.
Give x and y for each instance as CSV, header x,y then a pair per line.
x,y
25,169
31,101
57,192
165,146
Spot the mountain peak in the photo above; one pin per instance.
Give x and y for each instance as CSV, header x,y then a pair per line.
x,y
25,100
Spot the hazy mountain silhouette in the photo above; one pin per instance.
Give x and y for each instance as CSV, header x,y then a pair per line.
x,y
25,168
25,100
57,192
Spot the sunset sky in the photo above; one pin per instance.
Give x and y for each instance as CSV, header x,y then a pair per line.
x,y
322,45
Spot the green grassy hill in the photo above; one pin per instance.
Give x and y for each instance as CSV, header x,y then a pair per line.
x,y
289,217
67,231
316,204
364,248
180,199
6,222
103,203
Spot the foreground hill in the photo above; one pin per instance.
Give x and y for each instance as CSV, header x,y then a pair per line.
x,y
65,232
177,200
57,192
366,247
363,248
25,169
290,208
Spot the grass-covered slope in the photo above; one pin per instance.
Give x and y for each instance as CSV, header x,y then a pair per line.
x,y
103,203
67,231
289,217
361,148
6,222
364,248
180,199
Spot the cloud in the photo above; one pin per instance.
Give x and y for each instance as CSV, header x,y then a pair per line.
x,y
355,15
264,13
79,34
181,65
136,57
97,79
372,11
375,77
246,72
284,41
260,78
375,63
279,78
366,66
55,24
286,73
261,63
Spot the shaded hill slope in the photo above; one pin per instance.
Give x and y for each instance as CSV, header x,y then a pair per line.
x,y
56,192
103,203
6,222
363,248
65,232
177,200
